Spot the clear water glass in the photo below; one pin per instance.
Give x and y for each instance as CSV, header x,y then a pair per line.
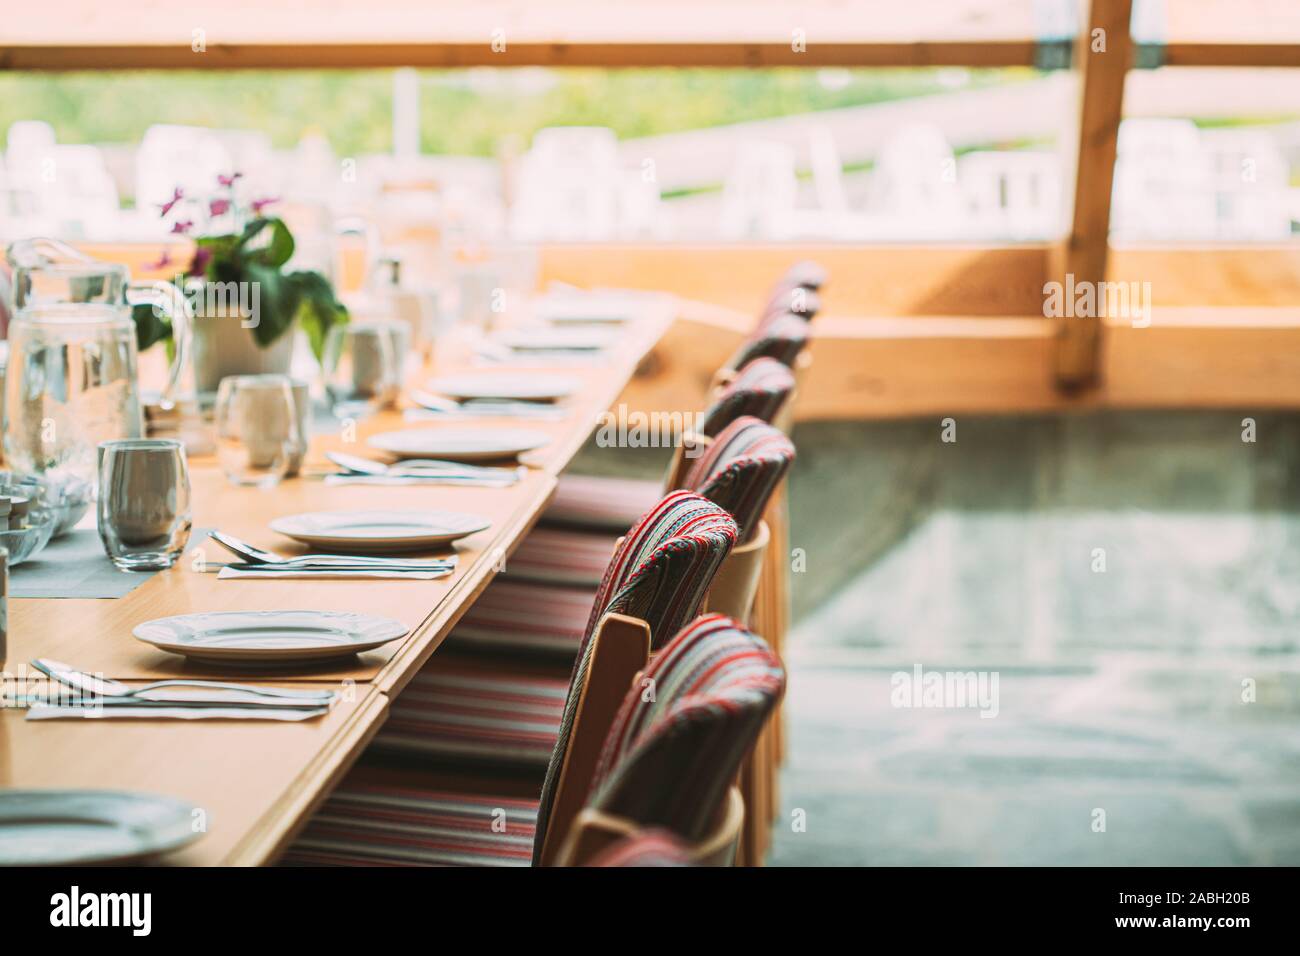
x,y
258,428
144,502
362,364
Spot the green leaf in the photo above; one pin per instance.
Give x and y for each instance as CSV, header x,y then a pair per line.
x,y
149,328
278,247
278,299
319,310
276,303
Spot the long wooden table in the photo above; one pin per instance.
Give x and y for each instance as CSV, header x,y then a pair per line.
x,y
256,782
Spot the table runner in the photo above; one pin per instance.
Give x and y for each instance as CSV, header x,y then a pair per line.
x,y
75,566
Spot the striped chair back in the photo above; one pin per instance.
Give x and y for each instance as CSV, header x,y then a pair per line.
x,y
741,468
794,301
669,760
660,574
759,389
783,338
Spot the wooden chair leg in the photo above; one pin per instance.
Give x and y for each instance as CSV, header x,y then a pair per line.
x,y
751,851
777,587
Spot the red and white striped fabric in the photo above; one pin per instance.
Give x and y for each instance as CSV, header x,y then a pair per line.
x,y
385,824
714,686
575,543
792,301
759,390
576,559
527,616
783,338
592,502
561,556
461,709
601,504
458,710
660,575
739,470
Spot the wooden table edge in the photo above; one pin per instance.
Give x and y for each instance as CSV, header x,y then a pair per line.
x,y
277,828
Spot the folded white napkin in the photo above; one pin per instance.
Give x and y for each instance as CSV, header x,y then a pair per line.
x,y
472,481
48,712
228,572
541,413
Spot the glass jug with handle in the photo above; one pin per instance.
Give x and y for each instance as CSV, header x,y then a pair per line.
x,y
72,377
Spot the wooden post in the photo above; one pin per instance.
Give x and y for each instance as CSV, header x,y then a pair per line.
x,y
1102,55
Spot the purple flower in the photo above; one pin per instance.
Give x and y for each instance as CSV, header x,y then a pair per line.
x,y
163,262
177,195
200,263
228,181
218,207
182,226
260,204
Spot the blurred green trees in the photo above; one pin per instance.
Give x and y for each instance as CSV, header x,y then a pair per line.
x,y
466,112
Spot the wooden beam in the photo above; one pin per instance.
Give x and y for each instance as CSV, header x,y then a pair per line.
x,y
1232,54
451,55
1246,358
884,54
1241,357
883,281
1212,275
869,368
253,34
876,280
1102,56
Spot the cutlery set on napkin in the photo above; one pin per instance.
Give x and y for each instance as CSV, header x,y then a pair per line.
x,y
258,563
358,470
179,699
436,408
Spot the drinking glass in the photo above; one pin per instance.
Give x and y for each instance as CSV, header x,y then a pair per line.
x,y
363,366
258,428
144,502
481,286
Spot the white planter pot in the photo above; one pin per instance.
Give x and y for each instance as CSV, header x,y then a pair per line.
x,y
222,346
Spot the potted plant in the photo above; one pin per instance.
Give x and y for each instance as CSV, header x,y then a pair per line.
x,y
245,305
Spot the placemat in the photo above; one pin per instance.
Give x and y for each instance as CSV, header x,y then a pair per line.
x,y
75,566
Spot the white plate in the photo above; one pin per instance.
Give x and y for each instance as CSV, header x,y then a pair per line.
x,y
460,444
582,309
379,530
72,827
544,340
269,637
509,387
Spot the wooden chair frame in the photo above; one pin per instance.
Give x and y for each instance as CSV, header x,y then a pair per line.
x,y
620,649
594,831
574,833
736,582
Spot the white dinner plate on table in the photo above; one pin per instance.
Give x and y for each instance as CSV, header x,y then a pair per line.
x,y
75,827
379,530
460,444
552,339
506,387
269,638
581,309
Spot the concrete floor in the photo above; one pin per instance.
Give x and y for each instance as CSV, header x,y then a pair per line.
x,y
1127,579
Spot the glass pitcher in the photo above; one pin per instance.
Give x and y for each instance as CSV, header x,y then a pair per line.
x,y
72,381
